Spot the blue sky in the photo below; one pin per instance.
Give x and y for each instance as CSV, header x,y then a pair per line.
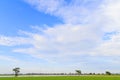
x,y
60,35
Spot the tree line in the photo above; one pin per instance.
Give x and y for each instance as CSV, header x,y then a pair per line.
x,y
77,72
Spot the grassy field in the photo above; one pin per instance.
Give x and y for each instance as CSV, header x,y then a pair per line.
x,y
63,78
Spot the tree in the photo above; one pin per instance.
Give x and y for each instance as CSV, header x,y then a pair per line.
x,y
108,73
78,72
16,70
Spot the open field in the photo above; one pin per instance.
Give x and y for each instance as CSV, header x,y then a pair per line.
x,y
63,78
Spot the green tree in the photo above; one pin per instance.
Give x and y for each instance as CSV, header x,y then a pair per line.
x,y
108,73
78,72
16,70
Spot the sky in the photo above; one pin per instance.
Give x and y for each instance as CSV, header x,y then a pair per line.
x,y
60,36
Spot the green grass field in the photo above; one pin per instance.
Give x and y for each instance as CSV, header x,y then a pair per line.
x,y
63,78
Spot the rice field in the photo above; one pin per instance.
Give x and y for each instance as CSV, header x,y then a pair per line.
x,y
63,78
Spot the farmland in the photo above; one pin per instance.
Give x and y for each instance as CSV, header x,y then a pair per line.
x,y
63,78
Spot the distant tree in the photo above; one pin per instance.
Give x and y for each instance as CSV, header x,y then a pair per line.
x,y
93,73
16,70
90,73
108,73
78,72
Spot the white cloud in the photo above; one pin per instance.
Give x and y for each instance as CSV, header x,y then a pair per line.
x,y
109,47
12,41
77,11
111,17
49,6
100,12
8,58
64,40
82,34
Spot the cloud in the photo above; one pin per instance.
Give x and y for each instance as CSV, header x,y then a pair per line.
x,y
109,47
69,12
12,41
86,23
104,13
111,17
61,41
8,58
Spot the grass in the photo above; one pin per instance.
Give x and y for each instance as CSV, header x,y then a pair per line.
x,y
63,78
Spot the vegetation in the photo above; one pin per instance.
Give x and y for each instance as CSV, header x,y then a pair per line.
x,y
16,70
64,78
78,72
108,73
